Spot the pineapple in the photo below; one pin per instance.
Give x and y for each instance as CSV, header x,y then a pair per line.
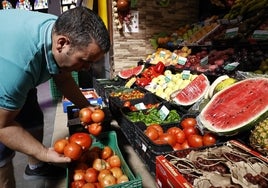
x,y
259,137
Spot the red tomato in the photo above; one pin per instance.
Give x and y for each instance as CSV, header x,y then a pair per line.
x,y
106,152
127,104
89,185
189,131
97,116
177,147
78,184
188,122
173,130
94,129
168,138
114,161
209,139
91,175
180,137
195,140
185,145
82,139
60,144
158,127
116,172
73,151
102,173
85,115
151,133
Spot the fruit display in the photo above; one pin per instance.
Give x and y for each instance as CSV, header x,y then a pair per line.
x,y
237,107
258,137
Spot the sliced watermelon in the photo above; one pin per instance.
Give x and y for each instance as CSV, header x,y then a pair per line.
x,y
127,73
194,91
237,107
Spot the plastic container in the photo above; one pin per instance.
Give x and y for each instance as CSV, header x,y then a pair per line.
x,y
110,139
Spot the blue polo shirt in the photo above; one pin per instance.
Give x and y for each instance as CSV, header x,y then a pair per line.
x,y
25,54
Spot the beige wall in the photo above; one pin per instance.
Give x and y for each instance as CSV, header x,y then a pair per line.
x,y
129,48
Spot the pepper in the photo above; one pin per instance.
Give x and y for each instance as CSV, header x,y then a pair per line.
x,y
143,81
159,67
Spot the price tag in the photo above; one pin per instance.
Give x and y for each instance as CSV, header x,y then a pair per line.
x,y
231,66
204,61
260,34
140,106
182,60
163,112
185,75
174,56
162,54
230,33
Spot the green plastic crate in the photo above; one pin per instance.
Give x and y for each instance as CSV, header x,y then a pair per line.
x,y
109,138
55,93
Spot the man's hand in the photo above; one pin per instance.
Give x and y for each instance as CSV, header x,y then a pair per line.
x,y
54,157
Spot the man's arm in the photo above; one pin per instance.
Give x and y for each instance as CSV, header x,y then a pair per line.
x,y
69,88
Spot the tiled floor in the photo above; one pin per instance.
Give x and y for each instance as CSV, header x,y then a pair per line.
x,y
54,116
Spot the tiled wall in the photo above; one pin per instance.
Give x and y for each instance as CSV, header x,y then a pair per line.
x,y
129,48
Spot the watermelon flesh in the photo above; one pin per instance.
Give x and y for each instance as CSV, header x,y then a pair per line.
x,y
237,107
127,73
194,91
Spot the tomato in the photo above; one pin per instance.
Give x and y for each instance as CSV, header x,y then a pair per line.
x,y
82,139
97,116
114,161
79,175
177,147
195,140
99,164
85,115
73,151
122,179
106,152
127,104
158,127
180,137
94,129
91,175
102,173
185,145
108,180
116,172
89,185
78,184
60,144
168,138
173,130
209,139
151,133
188,122
189,131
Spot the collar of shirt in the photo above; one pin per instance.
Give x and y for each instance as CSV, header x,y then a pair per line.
x,y
51,63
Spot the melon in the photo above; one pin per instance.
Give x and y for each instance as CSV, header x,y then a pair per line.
x,y
134,71
193,92
236,108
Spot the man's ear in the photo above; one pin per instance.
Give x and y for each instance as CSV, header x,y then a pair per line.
x,y
61,42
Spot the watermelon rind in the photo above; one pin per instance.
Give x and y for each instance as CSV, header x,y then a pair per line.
x,y
134,71
189,95
249,122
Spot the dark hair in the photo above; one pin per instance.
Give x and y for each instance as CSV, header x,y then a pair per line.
x,y
83,26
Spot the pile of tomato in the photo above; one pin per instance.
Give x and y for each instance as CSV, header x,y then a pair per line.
x,y
96,168
128,94
180,137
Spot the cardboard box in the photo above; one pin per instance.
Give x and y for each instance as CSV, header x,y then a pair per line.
x,y
89,93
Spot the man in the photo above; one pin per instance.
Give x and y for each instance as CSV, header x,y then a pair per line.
x,y
34,48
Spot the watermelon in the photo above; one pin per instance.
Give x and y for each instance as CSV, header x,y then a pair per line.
x,y
134,71
236,108
194,91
